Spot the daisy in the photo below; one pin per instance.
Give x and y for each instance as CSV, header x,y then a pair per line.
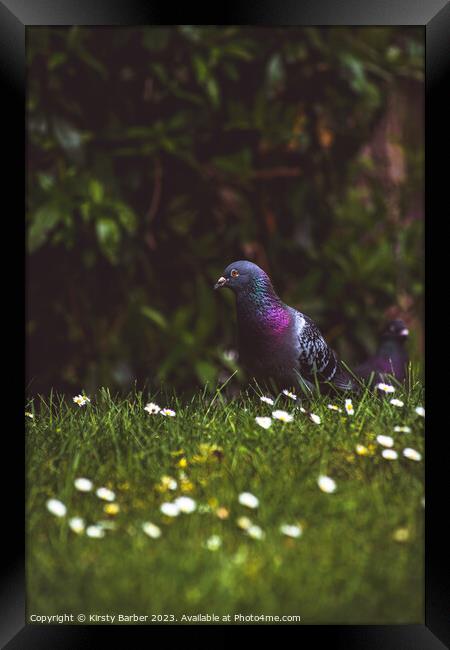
x,y
105,494
420,411
185,504
402,429
168,413
244,523
213,543
255,532
386,441
95,531
386,388
332,407
81,400
222,513
264,422
76,524
248,499
152,408
401,535
396,402
170,509
291,531
169,483
389,454
267,400
283,416
230,355
83,484
289,394
315,418
152,530
326,484
349,407
412,454
56,507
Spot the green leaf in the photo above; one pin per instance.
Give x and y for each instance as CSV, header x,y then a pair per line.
x,y
155,316
96,190
108,235
42,222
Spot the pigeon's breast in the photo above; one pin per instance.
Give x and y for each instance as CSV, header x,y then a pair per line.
x,y
269,351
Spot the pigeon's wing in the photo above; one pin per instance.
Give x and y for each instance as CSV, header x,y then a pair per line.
x,y
315,357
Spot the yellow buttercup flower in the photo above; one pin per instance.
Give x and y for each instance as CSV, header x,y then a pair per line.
x,y
111,508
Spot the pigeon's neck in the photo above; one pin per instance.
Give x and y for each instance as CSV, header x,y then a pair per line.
x,y
260,310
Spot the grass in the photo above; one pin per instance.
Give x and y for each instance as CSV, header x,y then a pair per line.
x,y
347,566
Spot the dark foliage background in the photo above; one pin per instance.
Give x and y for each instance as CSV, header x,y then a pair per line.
x,y
156,156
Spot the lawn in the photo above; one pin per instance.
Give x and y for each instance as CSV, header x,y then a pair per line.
x,y
359,554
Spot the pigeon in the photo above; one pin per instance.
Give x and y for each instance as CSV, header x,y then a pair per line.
x,y
276,343
391,357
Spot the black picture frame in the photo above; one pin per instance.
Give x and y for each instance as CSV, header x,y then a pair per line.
x,y
15,16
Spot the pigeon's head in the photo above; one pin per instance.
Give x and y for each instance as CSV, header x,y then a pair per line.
x,y
243,276
395,329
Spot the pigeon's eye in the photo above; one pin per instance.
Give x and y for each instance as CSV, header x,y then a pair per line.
x,y
234,273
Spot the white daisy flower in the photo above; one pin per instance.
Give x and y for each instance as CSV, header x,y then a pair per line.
x,y
213,543
401,429
389,454
326,484
264,422
95,531
333,407
267,400
56,507
315,418
185,504
168,413
289,394
420,411
169,482
170,509
412,454
248,499
301,409
81,400
152,408
76,524
401,535
30,415
105,493
230,355
396,402
386,441
83,484
349,407
283,416
255,532
291,531
152,530
244,523
386,388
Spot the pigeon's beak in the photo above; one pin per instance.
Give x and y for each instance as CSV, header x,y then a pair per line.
x,y
220,282
404,332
